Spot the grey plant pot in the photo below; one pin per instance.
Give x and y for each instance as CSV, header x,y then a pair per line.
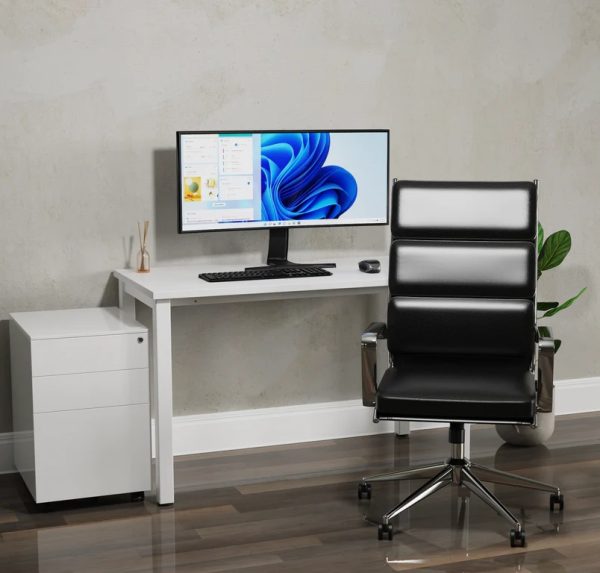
x,y
519,435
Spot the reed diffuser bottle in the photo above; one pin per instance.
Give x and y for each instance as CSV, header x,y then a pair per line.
x,y
143,257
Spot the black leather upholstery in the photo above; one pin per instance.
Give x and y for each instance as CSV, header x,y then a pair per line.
x,y
458,388
464,210
462,268
460,326
461,318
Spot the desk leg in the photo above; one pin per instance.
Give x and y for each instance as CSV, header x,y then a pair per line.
x,y
402,429
162,391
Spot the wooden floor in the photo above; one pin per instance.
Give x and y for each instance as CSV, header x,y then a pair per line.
x,y
294,508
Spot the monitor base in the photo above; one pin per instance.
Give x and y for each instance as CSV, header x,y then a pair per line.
x,y
291,265
278,252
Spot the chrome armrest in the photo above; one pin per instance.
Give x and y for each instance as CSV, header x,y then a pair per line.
x,y
368,344
545,369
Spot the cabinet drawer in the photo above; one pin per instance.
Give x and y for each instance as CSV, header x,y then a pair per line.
x,y
90,390
86,453
89,354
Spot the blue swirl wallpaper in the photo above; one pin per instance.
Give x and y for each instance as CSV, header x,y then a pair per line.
x,y
295,183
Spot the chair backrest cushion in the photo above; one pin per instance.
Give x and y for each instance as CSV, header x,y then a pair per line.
x,y
462,268
464,210
432,325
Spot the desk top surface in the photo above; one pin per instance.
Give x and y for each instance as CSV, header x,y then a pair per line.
x,y
179,282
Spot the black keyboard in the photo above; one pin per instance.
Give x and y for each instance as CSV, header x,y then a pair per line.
x,y
275,273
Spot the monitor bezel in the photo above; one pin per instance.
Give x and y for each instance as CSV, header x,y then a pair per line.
x,y
247,226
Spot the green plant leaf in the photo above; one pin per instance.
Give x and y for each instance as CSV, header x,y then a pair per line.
x,y
540,238
557,343
546,305
555,249
564,305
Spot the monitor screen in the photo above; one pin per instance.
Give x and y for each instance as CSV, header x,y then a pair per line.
x,y
257,180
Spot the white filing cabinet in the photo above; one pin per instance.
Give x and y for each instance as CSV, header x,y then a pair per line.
x,y
81,413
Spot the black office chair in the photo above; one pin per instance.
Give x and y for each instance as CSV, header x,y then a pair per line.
x,y
461,330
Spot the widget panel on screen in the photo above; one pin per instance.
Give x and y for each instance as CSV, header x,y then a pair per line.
x,y
255,180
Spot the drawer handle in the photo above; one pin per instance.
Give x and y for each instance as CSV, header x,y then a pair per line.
x,y
140,339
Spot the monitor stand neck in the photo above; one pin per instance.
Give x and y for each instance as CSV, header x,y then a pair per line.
x,y
278,253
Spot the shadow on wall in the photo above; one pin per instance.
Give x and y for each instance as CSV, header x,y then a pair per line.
x,y
110,295
128,252
5,391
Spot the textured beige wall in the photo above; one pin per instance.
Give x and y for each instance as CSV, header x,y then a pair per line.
x,y
92,93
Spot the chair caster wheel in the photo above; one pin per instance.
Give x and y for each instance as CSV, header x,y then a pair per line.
x,y
555,499
517,538
385,530
137,496
364,490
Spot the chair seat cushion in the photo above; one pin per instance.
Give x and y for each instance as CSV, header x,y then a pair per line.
x,y
449,388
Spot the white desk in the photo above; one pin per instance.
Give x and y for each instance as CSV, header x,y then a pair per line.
x,y
165,287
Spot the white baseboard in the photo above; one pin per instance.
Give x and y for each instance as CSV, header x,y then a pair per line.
x,y
577,395
203,433
273,426
331,420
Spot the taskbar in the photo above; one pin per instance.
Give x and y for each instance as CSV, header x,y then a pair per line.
x,y
249,224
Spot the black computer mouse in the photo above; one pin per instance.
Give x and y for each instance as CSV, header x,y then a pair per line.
x,y
369,266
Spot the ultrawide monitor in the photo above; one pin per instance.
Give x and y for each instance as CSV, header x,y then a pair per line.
x,y
260,179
